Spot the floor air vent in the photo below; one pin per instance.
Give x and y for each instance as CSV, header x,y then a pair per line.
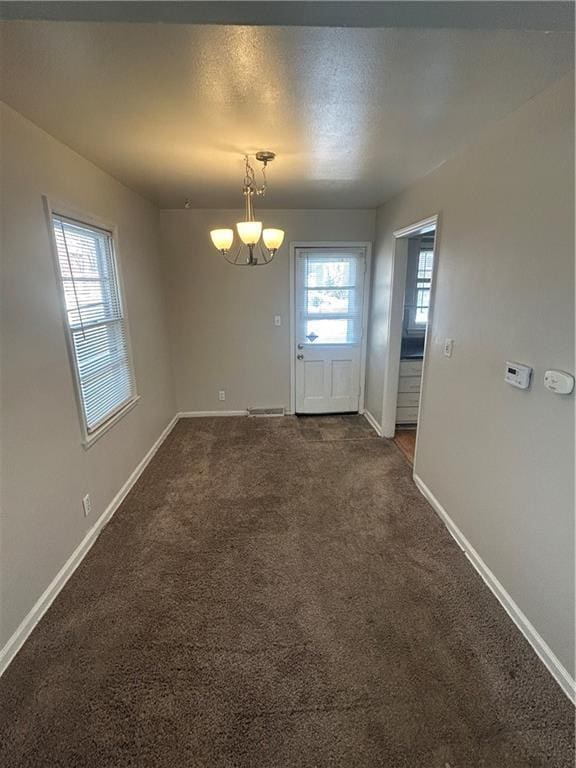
x,y
266,411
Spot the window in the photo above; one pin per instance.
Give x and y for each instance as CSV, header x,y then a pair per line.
x,y
418,283
330,306
423,280
95,320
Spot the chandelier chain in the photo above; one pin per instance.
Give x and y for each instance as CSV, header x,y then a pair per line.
x,y
250,185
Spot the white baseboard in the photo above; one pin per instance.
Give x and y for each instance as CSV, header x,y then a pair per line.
x,y
199,414
373,423
51,592
540,646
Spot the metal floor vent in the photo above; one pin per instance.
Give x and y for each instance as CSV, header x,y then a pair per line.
x,y
266,411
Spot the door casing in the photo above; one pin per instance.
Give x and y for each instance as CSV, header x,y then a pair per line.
x,y
394,325
367,247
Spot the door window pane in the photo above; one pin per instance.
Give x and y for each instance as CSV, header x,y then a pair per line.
x,y
329,301
331,331
328,273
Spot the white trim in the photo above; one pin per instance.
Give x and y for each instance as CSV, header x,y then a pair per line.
x,y
539,645
365,319
429,333
93,438
367,246
373,423
393,351
292,328
44,602
418,228
200,414
395,307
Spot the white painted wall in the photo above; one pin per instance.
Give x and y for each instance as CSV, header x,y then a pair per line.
x,y
222,317
500,460
46,471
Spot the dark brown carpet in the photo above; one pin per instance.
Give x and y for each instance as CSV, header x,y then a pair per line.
x,y
276,593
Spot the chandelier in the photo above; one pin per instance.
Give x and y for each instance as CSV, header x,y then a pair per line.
x,y
250,231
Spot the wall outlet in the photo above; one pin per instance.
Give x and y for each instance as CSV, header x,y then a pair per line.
x,y
222,395
87,505
277,320
448,347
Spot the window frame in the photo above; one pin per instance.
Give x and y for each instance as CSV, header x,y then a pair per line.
x,y
88,438
412,326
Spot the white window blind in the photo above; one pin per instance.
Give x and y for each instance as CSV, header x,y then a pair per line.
x,y
329,306
98,332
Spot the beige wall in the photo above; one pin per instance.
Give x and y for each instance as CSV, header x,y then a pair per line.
x,y
222,317
46,471
500,460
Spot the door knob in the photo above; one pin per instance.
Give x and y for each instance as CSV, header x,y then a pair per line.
x,y
300,357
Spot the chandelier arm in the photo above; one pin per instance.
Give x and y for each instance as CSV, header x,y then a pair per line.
x,y
267,256
236,263
233,261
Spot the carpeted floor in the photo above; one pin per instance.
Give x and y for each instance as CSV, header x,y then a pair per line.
x,y
276,593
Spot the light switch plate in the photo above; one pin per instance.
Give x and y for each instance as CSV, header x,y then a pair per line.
x,y
277,320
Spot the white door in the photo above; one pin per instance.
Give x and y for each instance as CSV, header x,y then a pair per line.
x,y
330,288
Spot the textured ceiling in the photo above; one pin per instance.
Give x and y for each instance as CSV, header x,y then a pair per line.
x,y
355,115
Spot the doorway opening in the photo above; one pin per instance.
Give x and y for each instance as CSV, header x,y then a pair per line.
x,y
410,317
329,305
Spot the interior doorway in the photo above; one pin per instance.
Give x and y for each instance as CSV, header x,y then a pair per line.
x,y
414,269
329,314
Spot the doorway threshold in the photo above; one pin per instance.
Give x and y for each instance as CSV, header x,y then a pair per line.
x,y
405,439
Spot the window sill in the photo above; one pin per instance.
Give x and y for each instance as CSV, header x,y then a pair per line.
x,y
89,440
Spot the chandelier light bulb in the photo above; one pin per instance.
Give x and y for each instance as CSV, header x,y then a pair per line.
x,y
222,238
249,231
273,238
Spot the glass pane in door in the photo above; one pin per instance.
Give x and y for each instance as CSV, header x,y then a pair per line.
x,y
330,302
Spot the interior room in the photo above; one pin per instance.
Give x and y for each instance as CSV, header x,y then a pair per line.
x,y
287,384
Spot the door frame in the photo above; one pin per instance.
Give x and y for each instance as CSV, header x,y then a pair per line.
x,y
395,319
366,245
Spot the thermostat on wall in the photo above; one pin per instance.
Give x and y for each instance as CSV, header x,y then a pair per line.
x,y
518,375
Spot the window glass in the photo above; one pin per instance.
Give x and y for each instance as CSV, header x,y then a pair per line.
x,y
330,304
423,280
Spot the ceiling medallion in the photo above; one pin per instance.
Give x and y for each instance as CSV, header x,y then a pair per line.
x,y
250,230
